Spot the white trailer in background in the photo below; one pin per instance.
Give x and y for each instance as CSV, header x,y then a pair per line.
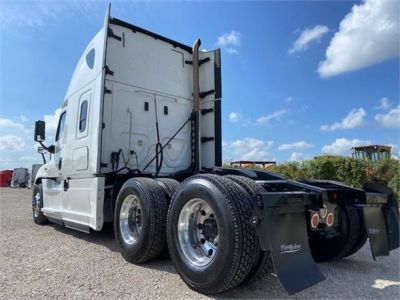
x,y
138,144
20,178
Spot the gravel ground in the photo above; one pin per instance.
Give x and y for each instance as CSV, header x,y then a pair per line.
x,y
51,261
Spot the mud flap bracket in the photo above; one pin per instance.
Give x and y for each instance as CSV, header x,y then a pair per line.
x,y
281,228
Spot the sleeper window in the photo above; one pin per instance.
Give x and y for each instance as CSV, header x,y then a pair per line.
x,y
90,58
83,116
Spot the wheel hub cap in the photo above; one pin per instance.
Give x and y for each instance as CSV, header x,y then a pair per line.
x,y
130,219
209,229
198,232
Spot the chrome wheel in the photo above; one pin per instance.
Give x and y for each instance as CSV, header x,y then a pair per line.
x,y
130,219
198,232
36,207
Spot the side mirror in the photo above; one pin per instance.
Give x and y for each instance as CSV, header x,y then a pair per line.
x,y
40,131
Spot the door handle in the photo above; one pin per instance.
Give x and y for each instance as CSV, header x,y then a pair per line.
x,y
60,163
66,184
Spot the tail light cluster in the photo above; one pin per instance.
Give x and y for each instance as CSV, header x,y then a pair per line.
x,y
323,216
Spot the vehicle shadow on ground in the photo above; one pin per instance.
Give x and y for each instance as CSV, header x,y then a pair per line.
x,y
106,238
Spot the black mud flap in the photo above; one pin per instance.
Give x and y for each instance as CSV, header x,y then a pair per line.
x,y
381,216
281,228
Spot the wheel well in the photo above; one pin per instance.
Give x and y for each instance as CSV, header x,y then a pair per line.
x,y
112,187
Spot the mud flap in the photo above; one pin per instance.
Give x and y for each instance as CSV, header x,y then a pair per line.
x,y
281,228
376,229
381,216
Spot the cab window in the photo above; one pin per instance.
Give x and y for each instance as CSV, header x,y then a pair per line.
x,y
61,124
83,116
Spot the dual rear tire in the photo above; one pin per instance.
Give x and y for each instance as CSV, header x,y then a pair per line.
x,y
139,220
211,242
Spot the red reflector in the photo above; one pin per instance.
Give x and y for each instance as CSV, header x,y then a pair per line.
x,y
329,219
314,220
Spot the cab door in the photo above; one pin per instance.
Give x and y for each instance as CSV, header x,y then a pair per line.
x,y
53,186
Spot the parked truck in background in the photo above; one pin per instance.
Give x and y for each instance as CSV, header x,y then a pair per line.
x,y
138,144
20,178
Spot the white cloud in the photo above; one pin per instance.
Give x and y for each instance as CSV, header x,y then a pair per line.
x,y
23,118
384,104
232,51
307,36
289,99
52,122
390,119
274,116
35,14
30,158
354,119
11,143
5,160
235,117
230,42
368,35
295,146
229,39
296,156
7,123
343,146
248,149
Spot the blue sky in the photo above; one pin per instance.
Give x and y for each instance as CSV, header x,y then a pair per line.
x,y
299,78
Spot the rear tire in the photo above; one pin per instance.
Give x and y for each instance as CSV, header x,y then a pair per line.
x,y
362,235
37,204
170,186
140,219
326,249
262,263
217,254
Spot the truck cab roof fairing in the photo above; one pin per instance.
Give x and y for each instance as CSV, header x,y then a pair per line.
x,y
89,65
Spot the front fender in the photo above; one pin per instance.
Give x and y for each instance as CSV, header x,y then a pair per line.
x,y
43,172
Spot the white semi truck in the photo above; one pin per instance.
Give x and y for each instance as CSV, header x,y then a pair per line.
x,y
138,144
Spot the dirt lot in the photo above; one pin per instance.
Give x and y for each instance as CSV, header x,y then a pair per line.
x,y
51,261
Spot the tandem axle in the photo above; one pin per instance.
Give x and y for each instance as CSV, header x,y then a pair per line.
x,y
138,144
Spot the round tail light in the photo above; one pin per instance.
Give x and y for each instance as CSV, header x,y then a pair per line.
x,y
329,219
314,220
